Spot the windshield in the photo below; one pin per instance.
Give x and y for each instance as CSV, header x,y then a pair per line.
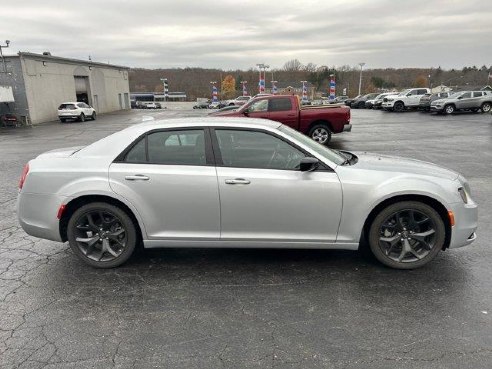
x,y
404,92
454,95
324,151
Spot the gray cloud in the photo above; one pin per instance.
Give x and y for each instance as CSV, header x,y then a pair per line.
x,y
238,34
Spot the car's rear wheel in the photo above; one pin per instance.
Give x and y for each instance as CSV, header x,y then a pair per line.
x,y
399,106
449,109
102,235
93,116
486,107
407,235
321,134
82,117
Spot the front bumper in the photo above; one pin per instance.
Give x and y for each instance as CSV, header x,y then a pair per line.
x,y
436,108
466,222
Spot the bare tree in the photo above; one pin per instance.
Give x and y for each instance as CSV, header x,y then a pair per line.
x,y
293,65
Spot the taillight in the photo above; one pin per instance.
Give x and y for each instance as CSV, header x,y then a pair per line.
x,y
23,177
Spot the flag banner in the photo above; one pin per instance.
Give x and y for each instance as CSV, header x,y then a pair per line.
x,y
214,94
245,89
274,88
332,88
304,92
262,85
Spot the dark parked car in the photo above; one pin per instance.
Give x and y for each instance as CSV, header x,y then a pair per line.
x,y
7,120
427,99
348,102
360,102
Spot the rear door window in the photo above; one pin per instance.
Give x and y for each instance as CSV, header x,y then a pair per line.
x,y
183,147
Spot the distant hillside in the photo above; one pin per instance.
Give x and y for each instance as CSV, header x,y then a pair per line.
x,y
196,81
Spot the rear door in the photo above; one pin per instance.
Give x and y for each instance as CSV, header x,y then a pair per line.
x,y
169,177
282,110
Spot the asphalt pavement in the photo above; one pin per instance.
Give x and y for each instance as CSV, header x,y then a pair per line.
x,y
236,308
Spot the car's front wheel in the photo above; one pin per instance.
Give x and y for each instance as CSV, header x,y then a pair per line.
x,y
449,109
93,116
407,235
399,106
82,117
321,134
102,235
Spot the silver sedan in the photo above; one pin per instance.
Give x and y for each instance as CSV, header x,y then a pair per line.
x,y
231,182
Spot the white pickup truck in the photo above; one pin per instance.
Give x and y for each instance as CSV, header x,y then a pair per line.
x,y
407,99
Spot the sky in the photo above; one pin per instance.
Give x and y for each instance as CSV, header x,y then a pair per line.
x,y
236,34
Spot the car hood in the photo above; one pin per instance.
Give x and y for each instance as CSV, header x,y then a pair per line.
x,y
395,164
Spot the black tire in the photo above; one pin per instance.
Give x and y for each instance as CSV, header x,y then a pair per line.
x,y
93,116
320,133
75,231
82,117
403,239
399,106
62,120
361,105
474,110
486,107
449,109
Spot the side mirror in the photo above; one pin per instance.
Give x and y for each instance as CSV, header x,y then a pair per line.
x,y
308,164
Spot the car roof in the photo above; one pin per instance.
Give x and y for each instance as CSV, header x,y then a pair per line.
x,y
206,121
71,102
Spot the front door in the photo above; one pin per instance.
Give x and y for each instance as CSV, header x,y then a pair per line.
x,y
264,195
281,110
170,179
465,101
258,109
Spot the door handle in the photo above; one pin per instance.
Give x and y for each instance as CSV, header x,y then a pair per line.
x,y
237,181
137,177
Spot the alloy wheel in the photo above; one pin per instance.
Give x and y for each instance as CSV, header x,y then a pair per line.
x,y
407,236
100,235
320,135
486,107
449,109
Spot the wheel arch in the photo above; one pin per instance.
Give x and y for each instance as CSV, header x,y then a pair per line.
x,y
320,121
79,201
432,202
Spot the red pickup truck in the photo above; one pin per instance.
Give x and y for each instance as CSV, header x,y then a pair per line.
x,y
318,122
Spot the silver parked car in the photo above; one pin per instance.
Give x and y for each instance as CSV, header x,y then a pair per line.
x,y
235,182
464,100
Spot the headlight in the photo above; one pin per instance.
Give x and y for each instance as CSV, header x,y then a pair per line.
x,y
463,195
390,99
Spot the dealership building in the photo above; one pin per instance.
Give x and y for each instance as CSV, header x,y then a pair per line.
x,y
34,85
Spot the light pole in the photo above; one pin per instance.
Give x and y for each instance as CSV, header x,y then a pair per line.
x,y
360,76
7,43
262,67
165,88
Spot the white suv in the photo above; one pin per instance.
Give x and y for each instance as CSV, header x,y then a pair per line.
x,y
76,111
404,100
239,101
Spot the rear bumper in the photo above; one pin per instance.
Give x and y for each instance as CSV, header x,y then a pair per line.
x,y
466,222
37,214
68,116
347,127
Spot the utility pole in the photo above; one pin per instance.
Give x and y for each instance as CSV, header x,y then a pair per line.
x,y
7,43
360,77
